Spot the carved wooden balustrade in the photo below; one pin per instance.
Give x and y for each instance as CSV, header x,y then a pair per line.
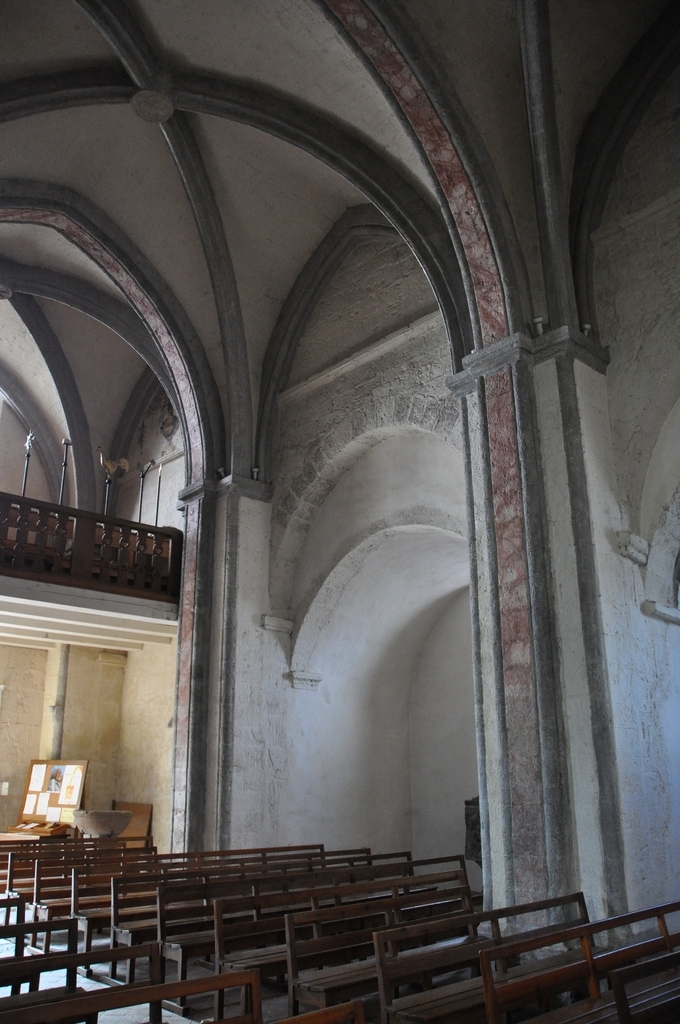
x,y
63,545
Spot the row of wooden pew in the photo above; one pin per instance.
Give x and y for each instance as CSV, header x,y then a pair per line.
x,y
340,925
142,899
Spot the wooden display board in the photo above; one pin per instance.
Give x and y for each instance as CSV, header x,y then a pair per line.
x,y
54,790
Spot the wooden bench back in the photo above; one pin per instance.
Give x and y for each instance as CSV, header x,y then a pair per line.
x,y
9,905
346,932
130,895
235,916
344,1013
434,946
661,1001
53,881
89,1004
30,969
595,963
19,932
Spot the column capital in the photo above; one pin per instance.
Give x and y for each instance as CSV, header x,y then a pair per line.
x,y
195,491
563,341
244,487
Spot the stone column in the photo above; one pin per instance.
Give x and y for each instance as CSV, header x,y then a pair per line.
x,y
192,707
548,782
237,555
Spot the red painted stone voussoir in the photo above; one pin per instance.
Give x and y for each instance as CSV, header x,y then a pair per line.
x,y
441,152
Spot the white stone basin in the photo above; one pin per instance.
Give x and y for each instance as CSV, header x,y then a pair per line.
x,y
101,823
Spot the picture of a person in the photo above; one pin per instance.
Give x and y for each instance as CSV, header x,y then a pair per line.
x,y
56,779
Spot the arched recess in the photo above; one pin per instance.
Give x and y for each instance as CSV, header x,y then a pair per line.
x,y
365,633
72,291
200,413
323,481
60,370
354,226
32,418
604,138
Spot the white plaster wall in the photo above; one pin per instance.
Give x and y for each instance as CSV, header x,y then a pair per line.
x,y
146,734
637,251
415,477
631,456
352,748
22,672
334,765
443,743
645,690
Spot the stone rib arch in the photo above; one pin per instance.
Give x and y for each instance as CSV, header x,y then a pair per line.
x,y
296,506
200,413
31,417
325,590
175,339
321,606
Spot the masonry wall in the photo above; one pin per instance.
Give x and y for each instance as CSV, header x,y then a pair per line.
x,y
22,673
146,734
360,551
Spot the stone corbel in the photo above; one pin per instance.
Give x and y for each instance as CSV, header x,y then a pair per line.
x,y
277,625
304,680
659,611
632,547
244,487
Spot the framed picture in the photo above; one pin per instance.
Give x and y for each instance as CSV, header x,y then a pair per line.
x,y
54,790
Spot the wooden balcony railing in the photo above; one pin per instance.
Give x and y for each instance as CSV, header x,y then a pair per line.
x,y
63,545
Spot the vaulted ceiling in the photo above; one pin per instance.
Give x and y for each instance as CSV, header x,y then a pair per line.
x,y
280,127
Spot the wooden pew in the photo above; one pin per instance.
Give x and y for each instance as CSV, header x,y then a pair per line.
x,y
85,1007
186,931
53,881
654,996
345,1013
250,932
20,932
340,951
22,866
12,906
29,971
435,948
133,916
46,847
540,979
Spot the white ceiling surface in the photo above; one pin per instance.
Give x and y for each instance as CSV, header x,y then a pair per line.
x,y
20,354
36,614
40,246
277,203
122,165
288,45
40,36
